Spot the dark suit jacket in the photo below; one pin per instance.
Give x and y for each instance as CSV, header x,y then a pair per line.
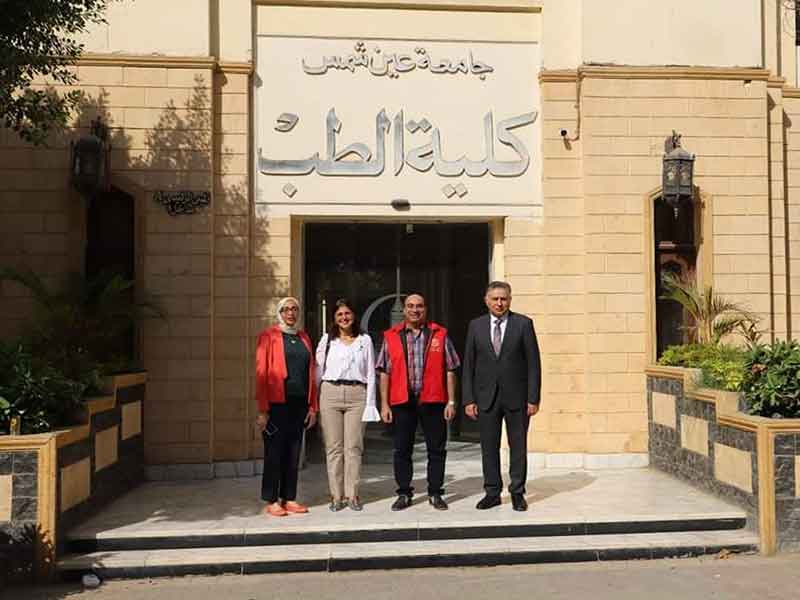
x,y
515,377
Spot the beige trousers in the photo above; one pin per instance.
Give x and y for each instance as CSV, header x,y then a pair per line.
x,y
340,410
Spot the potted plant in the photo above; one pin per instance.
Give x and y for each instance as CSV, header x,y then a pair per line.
x,y
40,396
771,384
711,319
81,333
711,316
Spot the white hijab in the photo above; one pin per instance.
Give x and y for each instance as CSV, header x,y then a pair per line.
x,y
281,323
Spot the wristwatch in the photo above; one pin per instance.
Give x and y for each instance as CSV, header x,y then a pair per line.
x,y
451,403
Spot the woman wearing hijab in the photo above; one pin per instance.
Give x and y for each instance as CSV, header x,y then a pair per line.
x,y
287,404
346,372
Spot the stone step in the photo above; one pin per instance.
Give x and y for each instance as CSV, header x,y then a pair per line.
x,y
403,554
298,533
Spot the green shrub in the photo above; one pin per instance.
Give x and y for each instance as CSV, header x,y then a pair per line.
x,y
722,366
33,390
86,326
82,331
772,380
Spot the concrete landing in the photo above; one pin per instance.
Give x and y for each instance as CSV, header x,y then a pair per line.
x,y
232,506
217,526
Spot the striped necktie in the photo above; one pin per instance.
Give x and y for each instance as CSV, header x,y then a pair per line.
x,y
497,337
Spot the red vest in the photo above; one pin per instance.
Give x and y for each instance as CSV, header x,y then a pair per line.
x,y
434,386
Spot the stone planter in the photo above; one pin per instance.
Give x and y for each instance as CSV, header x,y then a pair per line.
x,y
702,436
51,481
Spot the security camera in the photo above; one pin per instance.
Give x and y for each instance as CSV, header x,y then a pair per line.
x,y
563,133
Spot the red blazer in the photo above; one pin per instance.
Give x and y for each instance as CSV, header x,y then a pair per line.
x,y
271,370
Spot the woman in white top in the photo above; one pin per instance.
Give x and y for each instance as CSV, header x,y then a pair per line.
x,y
346,370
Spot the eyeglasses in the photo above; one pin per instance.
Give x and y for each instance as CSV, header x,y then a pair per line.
x,y
290,309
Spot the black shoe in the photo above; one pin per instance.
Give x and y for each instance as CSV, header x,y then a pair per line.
x,y
488,502
336,505
518,502
437,502
355,504
402,502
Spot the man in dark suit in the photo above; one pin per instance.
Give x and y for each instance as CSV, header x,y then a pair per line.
x,y
502,381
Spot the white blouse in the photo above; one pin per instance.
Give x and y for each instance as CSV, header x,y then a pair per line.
x,y
355,362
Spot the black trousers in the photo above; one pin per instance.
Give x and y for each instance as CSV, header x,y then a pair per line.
x,y
490,423
405,419
282,451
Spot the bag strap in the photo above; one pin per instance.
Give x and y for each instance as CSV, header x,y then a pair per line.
x,y
325,360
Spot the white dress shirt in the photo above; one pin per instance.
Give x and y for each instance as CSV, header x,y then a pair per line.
x,y
503,322
354,362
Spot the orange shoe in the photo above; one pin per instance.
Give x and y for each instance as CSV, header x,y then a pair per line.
x,y
274,509
295,507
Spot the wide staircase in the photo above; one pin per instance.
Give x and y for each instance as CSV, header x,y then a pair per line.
x,y
216,526
489,544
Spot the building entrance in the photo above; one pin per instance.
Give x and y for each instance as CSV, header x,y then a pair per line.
x,y
371,263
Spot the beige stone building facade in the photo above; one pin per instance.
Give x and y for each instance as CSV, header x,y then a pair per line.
x,y
477,139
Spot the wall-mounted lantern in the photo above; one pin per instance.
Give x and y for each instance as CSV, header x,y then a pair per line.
x,y
89,160
678,171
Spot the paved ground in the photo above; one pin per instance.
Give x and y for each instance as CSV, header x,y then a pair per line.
x,y
555,496
734,578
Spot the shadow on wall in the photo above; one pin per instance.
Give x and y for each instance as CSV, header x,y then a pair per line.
x,y
174,154
188,258
223,258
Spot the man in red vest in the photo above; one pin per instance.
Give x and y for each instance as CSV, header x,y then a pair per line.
x,y
417,366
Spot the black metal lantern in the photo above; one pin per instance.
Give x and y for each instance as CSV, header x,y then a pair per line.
x,y
89,160
676,184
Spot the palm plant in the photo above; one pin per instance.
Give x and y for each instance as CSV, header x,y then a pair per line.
x,y
713,317
85,326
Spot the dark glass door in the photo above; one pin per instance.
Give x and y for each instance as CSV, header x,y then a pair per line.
x,y
110,235
110,247
447,263
676,254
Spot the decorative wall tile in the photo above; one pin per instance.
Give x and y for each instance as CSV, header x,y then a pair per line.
x,y
106,448
6,463
25,462
734,467
664,409
26,485
6,491
24,509
698,429
785,444
797,479
131,419
694,434
75,484
784,476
